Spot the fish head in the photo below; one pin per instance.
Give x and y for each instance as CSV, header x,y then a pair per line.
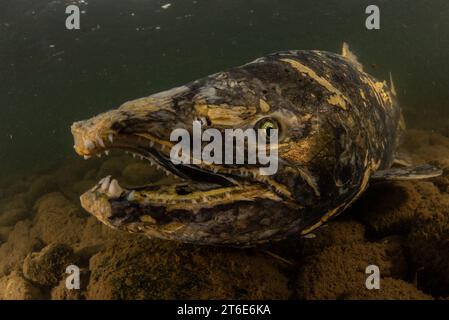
x,y
209,195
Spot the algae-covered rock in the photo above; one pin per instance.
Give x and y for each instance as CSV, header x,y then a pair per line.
x,y
40,186
13,209
47,266
61,292
429,248
15,287
390,289
58,220
20,243
145,269
334,233
388,208
339,270
4,233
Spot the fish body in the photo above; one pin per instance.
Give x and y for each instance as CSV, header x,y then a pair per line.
x,y
337,127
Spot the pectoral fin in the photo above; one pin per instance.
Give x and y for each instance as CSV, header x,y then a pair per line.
x,y
424,171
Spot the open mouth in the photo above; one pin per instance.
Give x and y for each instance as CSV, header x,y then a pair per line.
x,y
196,186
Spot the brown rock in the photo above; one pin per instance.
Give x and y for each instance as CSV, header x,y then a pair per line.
x,y
40,186
390,289
4,233
334,233
60,292
429,248
144,269
340,270
47,267
20,243
388,208
15,287
58,220
12,210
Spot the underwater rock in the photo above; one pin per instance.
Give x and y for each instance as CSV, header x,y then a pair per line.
x,y
96,236
15,287
334,233
390,289
12,210
388,208
429,248
156,269
58,220
15,187
4,233
47,267
137,174
339,270
60,292
20,243
40,186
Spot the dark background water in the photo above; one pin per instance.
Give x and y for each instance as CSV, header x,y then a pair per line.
x,y
51,77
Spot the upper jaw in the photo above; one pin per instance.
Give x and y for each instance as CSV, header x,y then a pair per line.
x,y
95,137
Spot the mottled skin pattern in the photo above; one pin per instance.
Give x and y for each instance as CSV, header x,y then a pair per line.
x,y
338,125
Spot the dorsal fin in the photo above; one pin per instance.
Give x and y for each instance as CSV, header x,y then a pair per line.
x,y
346,53
392,86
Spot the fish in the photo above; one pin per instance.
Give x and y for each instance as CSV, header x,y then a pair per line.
x,y
338,130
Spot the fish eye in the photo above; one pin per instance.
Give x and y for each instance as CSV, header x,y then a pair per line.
x,y
268,125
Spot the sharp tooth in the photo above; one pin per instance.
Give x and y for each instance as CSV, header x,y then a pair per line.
x,y
194,201
100,142
162,147
215,170
134,155
106,152
105,183
228,195
88,144
151,144
141,157
86,157
111,138
131,196
114,190
98,155
205,199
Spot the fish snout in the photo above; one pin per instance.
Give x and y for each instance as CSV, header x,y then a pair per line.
x,y
93,134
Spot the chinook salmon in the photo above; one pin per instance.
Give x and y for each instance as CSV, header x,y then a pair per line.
x,y
338,128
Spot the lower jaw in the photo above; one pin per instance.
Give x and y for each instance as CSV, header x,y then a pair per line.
x,y
238,224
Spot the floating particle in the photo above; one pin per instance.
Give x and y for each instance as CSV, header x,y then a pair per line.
x,y
166,6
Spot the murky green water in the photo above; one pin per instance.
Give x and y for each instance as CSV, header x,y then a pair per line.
x,y
50,77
